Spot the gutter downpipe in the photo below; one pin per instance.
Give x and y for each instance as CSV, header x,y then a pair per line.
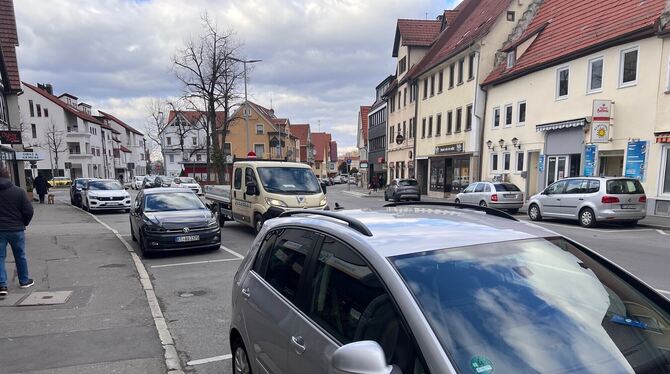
x,y
416,113
482,120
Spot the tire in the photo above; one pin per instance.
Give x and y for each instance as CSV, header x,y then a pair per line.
x,y
457,201
632,223
483,204
396,198
258,223
240,358
418,198
386,198
143,247
587,218
132,233
127,210
534,213
512,211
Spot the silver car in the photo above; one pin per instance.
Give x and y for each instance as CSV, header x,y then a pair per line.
x,y
400,189
415,288
495,195
591,200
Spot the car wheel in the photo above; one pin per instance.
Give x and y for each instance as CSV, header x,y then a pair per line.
x,y
127,210
396,198
483,204
513,211
587,218
457,201
418,198
258,223
386,198
632,223
534,212
240,358
143,246
132,233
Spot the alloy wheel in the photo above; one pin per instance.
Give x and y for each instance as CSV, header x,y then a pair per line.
x,y
586,218
241,364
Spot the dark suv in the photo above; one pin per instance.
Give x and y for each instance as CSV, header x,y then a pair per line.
x,y
76,190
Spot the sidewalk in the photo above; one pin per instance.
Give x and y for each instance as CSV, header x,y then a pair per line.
x,y
362,192
100,320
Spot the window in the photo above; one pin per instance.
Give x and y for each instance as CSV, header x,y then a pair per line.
x,y
404,97
286,260
449,122
399,96
440,81
392,103
452,67
194,140
471,66
496,118
46,112
425,88
666,173
432,85
595,79
562,78
237,184
168,140
430,126
468,118
423,128
508,115
33,129
259,149
227,149
494,162
438,125
628,68
480,187
576,186
461,65
510,15
402,65
39,110
32,108
511,58
404,129
459,115
556,188
171,158
507,161
391,134
259,129
521,113
519,161
198,157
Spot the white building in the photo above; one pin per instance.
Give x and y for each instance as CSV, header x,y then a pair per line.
x,y
184,144
131,149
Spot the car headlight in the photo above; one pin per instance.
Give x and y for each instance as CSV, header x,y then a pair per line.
x,y
213,222
275,202
323,201
93,197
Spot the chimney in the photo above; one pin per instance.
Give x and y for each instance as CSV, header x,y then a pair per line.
x,y
46,87
272,112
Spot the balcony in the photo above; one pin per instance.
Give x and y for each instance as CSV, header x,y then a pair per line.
x,y
74,154
75,132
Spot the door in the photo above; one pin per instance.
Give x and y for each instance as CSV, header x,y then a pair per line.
x,y
467,194
573,197
557,168
251,200
532,181
551,199
136,213
346,302
240,206
478,196
271,292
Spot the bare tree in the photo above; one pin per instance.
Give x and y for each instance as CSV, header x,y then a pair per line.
x,y
156,125
55,143
209,71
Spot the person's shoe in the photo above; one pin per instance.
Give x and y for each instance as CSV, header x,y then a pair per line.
x,y
3,291
27,284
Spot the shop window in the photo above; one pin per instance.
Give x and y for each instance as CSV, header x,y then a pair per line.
x,y
628,67
666,173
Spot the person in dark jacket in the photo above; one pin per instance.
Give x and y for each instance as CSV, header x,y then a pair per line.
x,y
16,211
41,186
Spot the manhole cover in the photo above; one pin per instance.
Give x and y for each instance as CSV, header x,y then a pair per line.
x,y
46,298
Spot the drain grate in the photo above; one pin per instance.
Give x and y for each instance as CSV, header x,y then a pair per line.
x,y
46,298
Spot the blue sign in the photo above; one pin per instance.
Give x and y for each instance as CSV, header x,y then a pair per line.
x,y
349,162
540,164
590,159
636,156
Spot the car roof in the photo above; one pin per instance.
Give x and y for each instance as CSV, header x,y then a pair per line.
x,y
154,191
411,229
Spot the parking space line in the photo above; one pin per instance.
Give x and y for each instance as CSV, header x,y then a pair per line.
x,y
662,232
232,252
209,359
195,263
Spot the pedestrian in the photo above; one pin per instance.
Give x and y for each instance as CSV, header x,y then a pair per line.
x,y
41,186
16,211
381,182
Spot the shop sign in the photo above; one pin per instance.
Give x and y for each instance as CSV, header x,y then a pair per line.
x,y
636,155
590,159
6,156
540,164
363,165
10,137
600,123
449,148
28,156
399,139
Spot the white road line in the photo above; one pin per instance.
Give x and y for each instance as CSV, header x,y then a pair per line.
x,y
195,263
209,359
662,232
232,252
171,358
622,231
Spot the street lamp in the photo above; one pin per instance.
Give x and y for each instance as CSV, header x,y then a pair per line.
x,y
246,107
501,142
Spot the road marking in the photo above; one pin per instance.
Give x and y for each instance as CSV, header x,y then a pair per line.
x,y
171,357
195,263
623,230
662,232
209,359
232,252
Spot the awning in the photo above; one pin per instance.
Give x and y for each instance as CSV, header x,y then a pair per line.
x,y
561,125
662,136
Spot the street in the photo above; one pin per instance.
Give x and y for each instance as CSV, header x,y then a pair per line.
x,y
194,289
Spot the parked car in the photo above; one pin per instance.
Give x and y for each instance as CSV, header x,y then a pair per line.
x,y
137,182
413,289
59,182
400,189
163,181
148,181
187,182
166,219
591,200
76,190
338,179
105,194
495,195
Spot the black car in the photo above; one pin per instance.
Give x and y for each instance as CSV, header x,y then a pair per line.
x,y
163,181
148,181
165,219
76,189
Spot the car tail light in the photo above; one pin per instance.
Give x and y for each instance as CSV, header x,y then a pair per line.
x,y
643,199
610,199
494,197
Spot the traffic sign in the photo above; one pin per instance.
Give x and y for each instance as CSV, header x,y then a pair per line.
x,y
349,162
251,154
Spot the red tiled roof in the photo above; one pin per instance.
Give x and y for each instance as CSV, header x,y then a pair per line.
x,y
418,32
301,131
321,141
83,115
567,28
106,126
124,149
193,116
9,40
450,16
121,123
364,110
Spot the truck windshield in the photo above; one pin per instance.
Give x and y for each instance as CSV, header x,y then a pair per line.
x,y
289,180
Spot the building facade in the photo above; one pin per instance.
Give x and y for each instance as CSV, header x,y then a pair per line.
x,y
322,159
362,140
304,137
377,127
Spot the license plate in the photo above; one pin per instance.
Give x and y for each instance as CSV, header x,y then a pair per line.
x,y
510,195
628,206
191,238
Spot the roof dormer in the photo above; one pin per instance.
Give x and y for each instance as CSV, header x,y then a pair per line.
x,y
68,99
84,108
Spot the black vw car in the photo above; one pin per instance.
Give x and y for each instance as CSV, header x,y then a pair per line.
x,y
163,219
76,189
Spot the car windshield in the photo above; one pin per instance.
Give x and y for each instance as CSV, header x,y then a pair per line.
x,y
185,180
502,187
104,185
408,182
289,180
172,201
149,179
536,306
624,186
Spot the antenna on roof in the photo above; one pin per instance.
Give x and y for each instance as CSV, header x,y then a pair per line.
x,y
426,15
271,101
319,124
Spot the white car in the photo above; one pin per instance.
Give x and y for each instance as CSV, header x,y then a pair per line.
x,y
137,182
187,182
105,194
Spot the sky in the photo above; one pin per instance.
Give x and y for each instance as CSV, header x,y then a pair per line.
x,y
321,59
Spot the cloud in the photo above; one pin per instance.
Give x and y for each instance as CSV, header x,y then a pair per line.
x,y
321,59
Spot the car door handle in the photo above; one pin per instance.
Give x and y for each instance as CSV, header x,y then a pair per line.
x,y
246,293
558,199
299,344
581,199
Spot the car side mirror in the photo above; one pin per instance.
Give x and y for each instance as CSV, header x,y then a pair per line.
x,y
323,187
545,192
363,357
84,188
252,189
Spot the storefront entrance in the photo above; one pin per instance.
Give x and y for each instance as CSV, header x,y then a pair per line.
x,y
563,166
449,175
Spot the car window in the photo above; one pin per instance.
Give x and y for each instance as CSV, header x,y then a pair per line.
x,y
348,300
480,187
624,186
470,188
576,186
238,178
268,242
506,187
594,186
286,260
556,188
168,202
408,182
487,188
249,176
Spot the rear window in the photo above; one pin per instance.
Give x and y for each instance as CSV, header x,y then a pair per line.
x,y
624,187
408,182
502,187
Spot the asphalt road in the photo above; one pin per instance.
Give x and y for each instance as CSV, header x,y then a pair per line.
x,y
194,289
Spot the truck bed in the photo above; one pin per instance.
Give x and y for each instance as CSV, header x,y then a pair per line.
x,y
218,193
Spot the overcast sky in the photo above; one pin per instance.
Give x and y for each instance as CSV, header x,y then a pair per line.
x,y
321,59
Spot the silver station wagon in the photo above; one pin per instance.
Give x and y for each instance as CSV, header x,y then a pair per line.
x,y
591,200
437,288
495,195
